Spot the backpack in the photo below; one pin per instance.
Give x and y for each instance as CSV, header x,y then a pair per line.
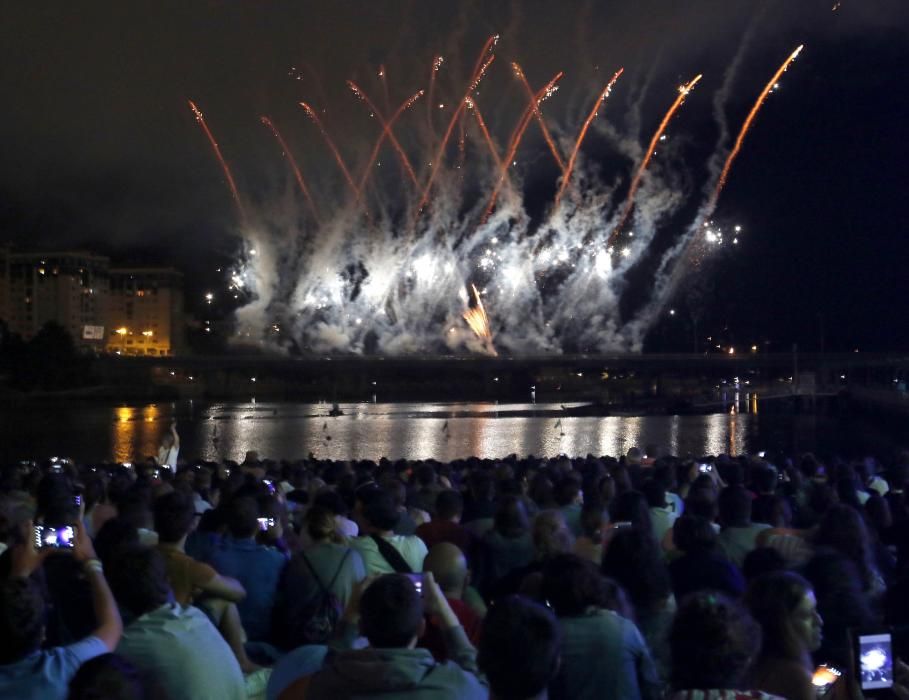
x,y
317,619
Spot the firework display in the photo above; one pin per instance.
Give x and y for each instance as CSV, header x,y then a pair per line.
x,y
438,253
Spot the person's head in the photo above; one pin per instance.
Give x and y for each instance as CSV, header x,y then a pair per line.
x,y
114,536
391,612
108,677
322,526
138,580
510,517
380,511
843,529
764,479
772,510
243,518
694,535
174,516
631,507
22,619
572,585
735,507
550,534
635,560
654,492
568,491
519,649
783,604
594,519
448,567
634,456
449,505
712,642
762,560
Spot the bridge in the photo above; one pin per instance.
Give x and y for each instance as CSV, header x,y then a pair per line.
x,y
606,377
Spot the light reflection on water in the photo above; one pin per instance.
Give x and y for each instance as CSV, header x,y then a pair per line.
x,y
365,431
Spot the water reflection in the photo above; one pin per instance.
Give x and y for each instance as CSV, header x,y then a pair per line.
x,y
93,431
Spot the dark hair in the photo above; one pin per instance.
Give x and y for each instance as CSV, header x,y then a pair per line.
x,y
632,507
138,580
391,612
108,677
633,558
22,621
843,529
380,510
735,507
449,504
701,502
114,536
242,517
174,514
764,479
519,648
712,641
571,585
771,510
692,534
321,525
772,600
655,493
331,500
592,517
511,517
567,490
762,560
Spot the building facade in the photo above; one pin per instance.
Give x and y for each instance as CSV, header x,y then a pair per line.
x,y
145,312
70,288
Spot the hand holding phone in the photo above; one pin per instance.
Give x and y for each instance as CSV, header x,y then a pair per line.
x,y
266,523
46,537
874,661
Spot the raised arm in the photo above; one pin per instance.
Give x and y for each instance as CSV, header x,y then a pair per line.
x,y
110,626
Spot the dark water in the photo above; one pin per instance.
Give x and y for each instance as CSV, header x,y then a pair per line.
x,y
93,431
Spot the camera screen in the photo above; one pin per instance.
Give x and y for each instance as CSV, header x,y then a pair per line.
x,y
875,661
265,523
55,537
417,582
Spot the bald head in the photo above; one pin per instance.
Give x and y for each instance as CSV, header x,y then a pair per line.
x,y
448,567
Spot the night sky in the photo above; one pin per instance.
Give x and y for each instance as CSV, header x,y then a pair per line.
x,y
100,150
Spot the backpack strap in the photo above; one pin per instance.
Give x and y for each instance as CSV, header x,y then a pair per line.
x,y
322,586
338,571
392,556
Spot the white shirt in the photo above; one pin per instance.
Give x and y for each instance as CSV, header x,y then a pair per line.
x,y
411,547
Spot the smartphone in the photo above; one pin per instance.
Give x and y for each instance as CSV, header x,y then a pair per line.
x,y
762,454
265,523
705,468
823,679
874,660
156,474
417,580
621,525
55,537
270,484
77,500
127,465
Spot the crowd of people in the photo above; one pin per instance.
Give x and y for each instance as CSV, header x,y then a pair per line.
x,y
595,577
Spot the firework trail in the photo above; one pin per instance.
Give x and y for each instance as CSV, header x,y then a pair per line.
x,y
478,321
515,140
479,71
539,117
566,178
293,166
382,76
331,145
745,128
437,62
224,166
475,108
684,91
386,133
